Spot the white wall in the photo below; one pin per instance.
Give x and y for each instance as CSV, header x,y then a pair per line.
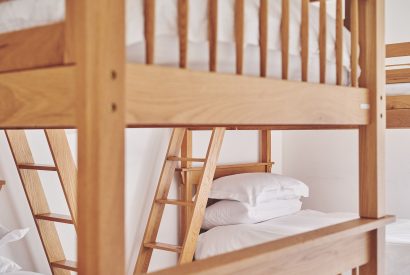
x,y
328,160
145,150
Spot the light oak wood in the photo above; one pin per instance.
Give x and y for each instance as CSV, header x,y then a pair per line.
x,y
186,191
284,30
157,209
69,32
339,42
36,198
397,76
323,40
149,31
66,168
166,96
183,23
164,246
354,30
398,118
68,265
263,37
39,167
17,48
305,39
315,252
239,34
213,35
100,109
201,199
398,49
54,218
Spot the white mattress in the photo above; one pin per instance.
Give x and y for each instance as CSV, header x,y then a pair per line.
x,y
223,239
21,14
398,89
398,248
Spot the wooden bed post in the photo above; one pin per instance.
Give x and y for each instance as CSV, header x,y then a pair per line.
x,y
371,137
100,57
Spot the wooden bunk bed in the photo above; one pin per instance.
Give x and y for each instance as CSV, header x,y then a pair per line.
x,y
79,78
398,104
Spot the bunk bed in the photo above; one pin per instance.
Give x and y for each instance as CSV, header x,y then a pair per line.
x,y
79,78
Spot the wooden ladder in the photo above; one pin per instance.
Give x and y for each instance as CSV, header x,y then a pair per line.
x,y
187,249
66,169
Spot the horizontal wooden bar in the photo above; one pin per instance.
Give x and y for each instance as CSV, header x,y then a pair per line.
x,y
398,118
398,102
164,246
67,265
314,252
41,98
168,97
32,48
397,76
176,202
158,96
54,218
39,167
398,49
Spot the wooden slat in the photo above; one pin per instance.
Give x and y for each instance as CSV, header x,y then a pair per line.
x,y
314,252
194,173
174,158
398,49
39,167
149,30
284,27
399,118
354,30
54,218
157,210
167,96
68,265
183,22
186,190
305,40
36,197
213,35
66,168
201,199
398,102
176,202
339,42
239,34
164,246
69,32
38,98
397,76
263,36
372,136
265,149
100,110
17,48
323,40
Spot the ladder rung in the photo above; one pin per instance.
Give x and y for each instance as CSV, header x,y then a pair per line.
x,y
173,158
65,264
176,202
33,166
54,218
164,246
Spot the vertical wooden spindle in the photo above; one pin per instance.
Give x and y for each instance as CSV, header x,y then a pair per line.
x,y
263,37
239,36
305,39
339,42
183,10
213,34
354,29
149,30
322,40
285,38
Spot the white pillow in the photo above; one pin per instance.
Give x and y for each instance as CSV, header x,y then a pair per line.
x,y
254,188
7,236
227,212
7,265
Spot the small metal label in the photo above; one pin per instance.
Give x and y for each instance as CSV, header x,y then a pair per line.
x,y
364,106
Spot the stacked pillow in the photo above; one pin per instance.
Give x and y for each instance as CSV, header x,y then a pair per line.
x,y
253,198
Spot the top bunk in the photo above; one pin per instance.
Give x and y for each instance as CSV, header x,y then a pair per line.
x,y
279,63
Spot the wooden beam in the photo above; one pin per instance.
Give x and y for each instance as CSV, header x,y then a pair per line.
x,y
314,252
100,55
397,76
372,136
398,119
32,48
165,96
398,49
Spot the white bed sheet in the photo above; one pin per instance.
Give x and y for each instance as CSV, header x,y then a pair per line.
x,y
398,89
21,14
225,239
